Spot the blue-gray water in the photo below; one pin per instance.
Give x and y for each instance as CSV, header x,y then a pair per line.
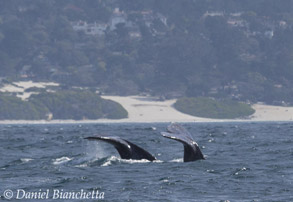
x,y
244,162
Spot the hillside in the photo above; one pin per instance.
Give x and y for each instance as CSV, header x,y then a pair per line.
x,y
241,50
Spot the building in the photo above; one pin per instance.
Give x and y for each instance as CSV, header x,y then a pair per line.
x,y
90,28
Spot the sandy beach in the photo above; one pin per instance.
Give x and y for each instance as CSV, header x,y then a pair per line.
x,y
271,113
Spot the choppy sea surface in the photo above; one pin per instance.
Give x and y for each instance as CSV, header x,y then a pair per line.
x,y
244,162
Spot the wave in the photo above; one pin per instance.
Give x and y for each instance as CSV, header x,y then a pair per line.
x,y
177,160
112,160
26,160
61,160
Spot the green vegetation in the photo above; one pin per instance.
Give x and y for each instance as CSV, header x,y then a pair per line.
x,y
35,89
65,104
13,108
210,108
69,104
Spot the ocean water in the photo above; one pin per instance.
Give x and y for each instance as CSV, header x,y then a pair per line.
x,y
244,162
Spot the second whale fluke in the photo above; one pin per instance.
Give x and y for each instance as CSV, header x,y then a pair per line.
x,y
191,148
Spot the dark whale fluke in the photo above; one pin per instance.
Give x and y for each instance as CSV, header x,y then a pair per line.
x,y
126,149
191,149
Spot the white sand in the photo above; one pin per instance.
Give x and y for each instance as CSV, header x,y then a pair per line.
x,y
145,109
21,86
272,113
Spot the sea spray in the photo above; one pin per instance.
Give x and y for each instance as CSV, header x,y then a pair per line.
x,y
95,150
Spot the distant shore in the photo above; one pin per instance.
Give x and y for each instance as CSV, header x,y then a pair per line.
x,y
151,110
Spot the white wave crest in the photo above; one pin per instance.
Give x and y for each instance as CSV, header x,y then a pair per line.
x,y
112,159
177,160
61,160
84,165
25,160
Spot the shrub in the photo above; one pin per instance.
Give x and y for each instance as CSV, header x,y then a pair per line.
x,y
210,108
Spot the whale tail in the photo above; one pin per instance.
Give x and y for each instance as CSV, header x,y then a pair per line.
x,y
126,149
191,149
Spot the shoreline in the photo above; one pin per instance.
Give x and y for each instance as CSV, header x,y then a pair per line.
x,y
143,109
113,121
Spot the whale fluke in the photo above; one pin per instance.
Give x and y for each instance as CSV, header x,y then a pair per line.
x,y
126,149
191,148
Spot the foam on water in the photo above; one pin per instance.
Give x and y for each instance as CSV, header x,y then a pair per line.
x,y
110,160
131,161
26,160
84,165
177,160
61,160
113,159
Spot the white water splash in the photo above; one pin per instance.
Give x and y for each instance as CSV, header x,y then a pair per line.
x,y
61,160
84,165
25,160
110,160
95,151
129,161
107,163
177,160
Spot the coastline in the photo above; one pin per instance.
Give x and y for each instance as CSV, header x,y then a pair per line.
x,y
142,109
